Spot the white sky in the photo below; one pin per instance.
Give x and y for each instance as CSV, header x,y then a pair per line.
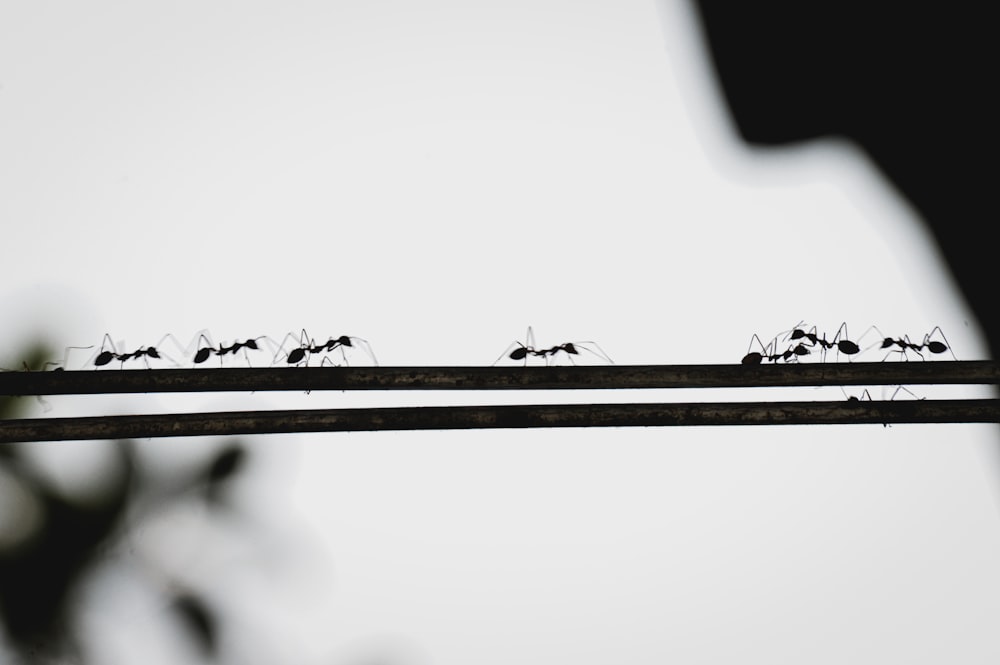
x,y
435,177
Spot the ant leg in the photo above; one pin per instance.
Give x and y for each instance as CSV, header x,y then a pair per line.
x,y
296,354
366,348
753,357
281,348
865,395
594,349
66,354
205,345
881,341
516,351
912,347
105,356
795,333
252,343
906,390
935,346
157,353
519,351
845,346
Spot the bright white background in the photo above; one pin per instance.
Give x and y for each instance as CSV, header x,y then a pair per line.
x,y
434,177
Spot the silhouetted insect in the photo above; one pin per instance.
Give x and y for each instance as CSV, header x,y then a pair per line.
x,y
792,353
207,348
519,351
106,354
308,347
843,345
903,345
936,347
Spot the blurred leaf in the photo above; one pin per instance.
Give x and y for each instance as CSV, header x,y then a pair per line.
x,y
33,360
38,577
199,621
226,464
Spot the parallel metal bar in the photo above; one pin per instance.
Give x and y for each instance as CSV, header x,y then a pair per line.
x,y
490,417
496,378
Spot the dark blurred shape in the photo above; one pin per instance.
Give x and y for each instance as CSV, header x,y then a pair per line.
x,y
61,538
907,82
221,470
199,621
33,360
39,575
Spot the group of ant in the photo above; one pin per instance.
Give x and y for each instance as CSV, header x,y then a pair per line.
x,y
300,354
303,349
802,342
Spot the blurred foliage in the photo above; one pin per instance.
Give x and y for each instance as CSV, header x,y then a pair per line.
x,y
52,540
33,360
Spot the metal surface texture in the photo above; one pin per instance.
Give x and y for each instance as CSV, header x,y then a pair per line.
x,y
502,417
495,378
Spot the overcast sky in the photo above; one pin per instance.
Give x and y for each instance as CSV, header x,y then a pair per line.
x,y
435,177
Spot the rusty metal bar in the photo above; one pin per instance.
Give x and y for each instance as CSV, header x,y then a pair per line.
x,y
492,417
496,378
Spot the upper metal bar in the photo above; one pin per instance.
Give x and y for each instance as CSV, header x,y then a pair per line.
x,y
497,378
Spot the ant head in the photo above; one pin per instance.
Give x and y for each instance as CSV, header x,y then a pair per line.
x,y
569,348
519,353
800,350
251,344
798,333
153,353
344,340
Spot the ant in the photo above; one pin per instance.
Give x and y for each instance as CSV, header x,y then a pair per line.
x,y
845,346
208,349
519,351
905,344
792,353
105,356
308,347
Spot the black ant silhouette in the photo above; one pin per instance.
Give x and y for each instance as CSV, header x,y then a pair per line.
x,y
845,346
208,348
307,347
519,351
791,354
904,344
105,356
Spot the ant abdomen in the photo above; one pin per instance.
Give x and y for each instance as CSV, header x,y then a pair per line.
x,y
848,347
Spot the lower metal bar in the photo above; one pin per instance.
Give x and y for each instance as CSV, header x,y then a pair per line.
x,y
499,417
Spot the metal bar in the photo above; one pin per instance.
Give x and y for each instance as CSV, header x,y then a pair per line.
x,y
496,378
491,417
